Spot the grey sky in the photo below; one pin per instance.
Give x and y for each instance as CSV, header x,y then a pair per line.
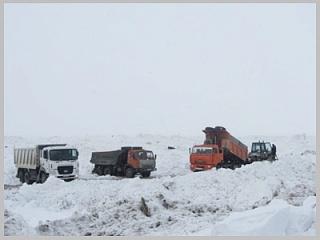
x,y
76,69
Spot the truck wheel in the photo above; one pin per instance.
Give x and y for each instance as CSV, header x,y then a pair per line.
x,y
107,171
21,176
146,174
27,179
238,165
219,165
130,173
43,177
99,171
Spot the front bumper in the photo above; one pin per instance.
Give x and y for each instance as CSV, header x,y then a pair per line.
x,y
202,167
146,169
66,177
71,175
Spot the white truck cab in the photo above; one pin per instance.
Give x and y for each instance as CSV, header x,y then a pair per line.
x,y
61,162
36,164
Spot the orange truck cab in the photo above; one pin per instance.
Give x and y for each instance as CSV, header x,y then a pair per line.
x,y
205,156
220,149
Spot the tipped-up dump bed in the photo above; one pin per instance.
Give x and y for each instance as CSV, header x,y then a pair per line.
x,y
232,146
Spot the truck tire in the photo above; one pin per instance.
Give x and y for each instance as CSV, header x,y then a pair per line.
x,y
219,165
238,165
27,178
106,171
21,175
43,177
146,174
99,170
130,173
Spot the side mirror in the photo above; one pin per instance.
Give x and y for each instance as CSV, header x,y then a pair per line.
x,y
189,150
155,156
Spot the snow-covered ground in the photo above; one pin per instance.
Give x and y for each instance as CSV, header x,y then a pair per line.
x,y
262,198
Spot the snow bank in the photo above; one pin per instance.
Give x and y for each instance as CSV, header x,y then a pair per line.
x,y
276,219
181,202
14,224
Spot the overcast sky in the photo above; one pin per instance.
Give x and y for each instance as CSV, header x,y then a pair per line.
x,y
77,69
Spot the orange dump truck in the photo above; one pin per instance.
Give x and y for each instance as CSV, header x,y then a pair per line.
x,y
220,149
127,161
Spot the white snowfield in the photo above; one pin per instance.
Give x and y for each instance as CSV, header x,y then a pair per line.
x,y
262,198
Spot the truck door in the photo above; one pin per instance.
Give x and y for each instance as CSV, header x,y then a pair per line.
x,y
133,159
44,158
268,147
216,156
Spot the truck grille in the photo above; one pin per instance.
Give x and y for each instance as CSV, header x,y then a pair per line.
x,y
65,169
147,164
200,161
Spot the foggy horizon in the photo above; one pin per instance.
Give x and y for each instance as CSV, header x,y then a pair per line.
x,y
167,69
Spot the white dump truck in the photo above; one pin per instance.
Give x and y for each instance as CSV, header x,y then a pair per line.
x,y
36,164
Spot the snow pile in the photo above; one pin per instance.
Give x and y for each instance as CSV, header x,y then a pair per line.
x,y
276,219
14,224
278,195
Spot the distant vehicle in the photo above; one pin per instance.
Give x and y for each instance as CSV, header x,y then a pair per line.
x,y
262,151
128,161
220,149
36,164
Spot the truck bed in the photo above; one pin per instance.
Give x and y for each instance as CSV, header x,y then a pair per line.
x,y
221,137
26,158
105,158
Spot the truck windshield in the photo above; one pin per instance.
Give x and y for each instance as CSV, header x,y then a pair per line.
x,y
144,155
268,147
63,154
204,150
259,147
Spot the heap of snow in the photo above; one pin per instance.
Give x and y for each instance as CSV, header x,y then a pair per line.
x,y
181,202
276,219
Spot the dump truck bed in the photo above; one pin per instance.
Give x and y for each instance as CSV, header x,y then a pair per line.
x,y
26,158
105,158
225,140
30,157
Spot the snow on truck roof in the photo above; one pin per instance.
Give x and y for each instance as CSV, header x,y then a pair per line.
x,y
59,147
54,146
48,146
